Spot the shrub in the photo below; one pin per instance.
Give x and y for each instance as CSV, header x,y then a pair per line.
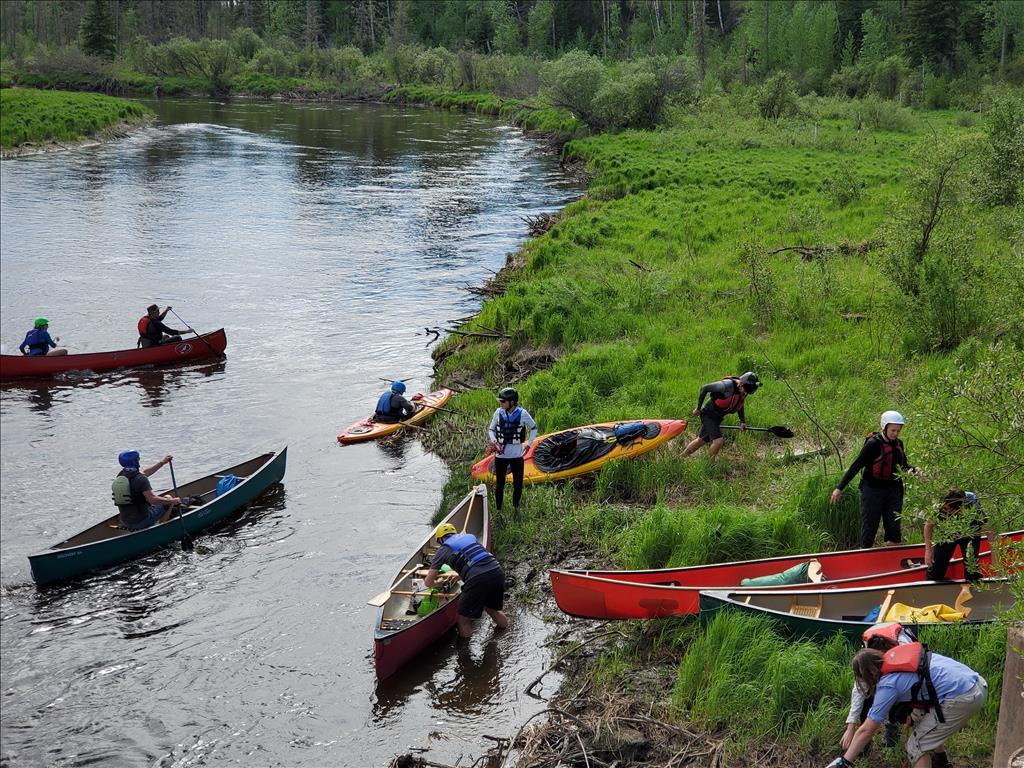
x,y
435,66
888,77
843,187
777,97
629,100
1002,163
885,115
573,81
245,43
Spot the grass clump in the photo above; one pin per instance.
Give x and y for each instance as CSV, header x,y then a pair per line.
x,y
32,116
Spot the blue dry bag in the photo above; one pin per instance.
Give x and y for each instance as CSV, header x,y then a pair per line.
x,y
226,483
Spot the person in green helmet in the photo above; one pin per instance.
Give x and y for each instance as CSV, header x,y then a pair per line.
x,y
39,342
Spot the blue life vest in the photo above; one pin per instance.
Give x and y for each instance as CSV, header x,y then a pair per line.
x,y
510,430
467,550
384,405
38,341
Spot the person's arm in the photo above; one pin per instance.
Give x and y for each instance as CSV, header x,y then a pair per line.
x,y
153,498
407,408
528,421
707,389
169,331
492,433
163,314
49,341
148,471
857,699
743,417
862,460
23,346
861,739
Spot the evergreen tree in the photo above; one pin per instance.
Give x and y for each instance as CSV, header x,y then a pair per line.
x,y
930,30
97,31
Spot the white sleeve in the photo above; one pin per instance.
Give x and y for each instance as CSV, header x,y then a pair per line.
x,y
857,699
494,425
528,420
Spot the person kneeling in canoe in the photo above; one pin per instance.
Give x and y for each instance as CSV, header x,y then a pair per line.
x,y
152,330
483,580
392,407
944,693
138,505
962,510
38,341
727,397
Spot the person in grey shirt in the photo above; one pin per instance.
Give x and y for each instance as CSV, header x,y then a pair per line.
x,y
508,431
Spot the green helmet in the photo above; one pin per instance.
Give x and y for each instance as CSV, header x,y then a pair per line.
x,y
41,321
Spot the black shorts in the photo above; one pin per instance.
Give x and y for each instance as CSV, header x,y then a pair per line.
x,y
710,426
484,591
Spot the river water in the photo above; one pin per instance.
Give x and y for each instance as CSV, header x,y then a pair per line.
x,y
323,237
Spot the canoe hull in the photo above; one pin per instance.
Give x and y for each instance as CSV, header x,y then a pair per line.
x,y
62,563
367,429
42,366
395,647
985,604
675,591
670,428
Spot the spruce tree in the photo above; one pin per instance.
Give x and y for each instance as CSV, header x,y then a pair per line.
x,y
97,31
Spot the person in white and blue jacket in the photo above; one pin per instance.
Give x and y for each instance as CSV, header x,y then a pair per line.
x,y
511,431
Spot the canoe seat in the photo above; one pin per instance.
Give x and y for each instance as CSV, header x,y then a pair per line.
x,y
883,609
811,611
961,600
814,573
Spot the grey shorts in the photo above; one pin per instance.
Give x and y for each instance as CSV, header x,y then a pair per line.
x,y
710,426
929,734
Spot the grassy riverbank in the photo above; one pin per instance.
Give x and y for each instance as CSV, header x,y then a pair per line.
x,y
32,117
720,244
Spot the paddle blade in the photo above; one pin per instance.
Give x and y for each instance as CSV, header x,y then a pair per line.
x,y
378,600
186,543
783,432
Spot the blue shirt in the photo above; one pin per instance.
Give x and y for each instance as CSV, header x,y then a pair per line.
x,y
951,679
38,341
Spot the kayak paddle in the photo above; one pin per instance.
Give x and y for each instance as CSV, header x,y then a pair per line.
x,y
221,355
783,432
186,540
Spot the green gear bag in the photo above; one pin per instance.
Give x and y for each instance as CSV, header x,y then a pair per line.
x,y
795,575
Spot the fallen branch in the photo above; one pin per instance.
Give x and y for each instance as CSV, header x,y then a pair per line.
x,y
570,652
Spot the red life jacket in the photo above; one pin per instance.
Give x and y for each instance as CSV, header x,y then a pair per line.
x,y
143,325
914,657
889,458
890,630
732,403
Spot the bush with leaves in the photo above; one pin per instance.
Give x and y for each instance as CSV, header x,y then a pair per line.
x,y
573,81
627,100
245,43
1002,176
777,97
435,66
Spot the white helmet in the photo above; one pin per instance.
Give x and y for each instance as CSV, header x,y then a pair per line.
x,y
892,417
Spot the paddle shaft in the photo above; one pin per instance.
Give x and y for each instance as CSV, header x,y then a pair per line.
x,y
208,345
186,540
777,431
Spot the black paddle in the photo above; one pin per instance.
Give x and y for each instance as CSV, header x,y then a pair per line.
x,y
186,540
783,432
208,345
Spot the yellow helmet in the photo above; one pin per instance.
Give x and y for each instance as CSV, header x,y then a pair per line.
x,y
444,529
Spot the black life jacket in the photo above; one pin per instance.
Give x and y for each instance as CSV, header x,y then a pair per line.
x,y
732,403
511,430
890,458
467,550
914,657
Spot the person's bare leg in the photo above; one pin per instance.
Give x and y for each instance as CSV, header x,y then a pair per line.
x,y
498,617
924,761
693,446
716,445
56,352
465,626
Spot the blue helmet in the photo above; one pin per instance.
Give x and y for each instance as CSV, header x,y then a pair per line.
x,y
128,459
398,387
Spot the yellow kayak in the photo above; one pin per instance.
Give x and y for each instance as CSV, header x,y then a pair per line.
x,y
368,429
578,451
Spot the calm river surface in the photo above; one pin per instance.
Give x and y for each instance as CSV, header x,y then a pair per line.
x,y
323,237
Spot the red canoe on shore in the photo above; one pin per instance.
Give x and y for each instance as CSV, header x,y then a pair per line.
x,y
676,591
41,366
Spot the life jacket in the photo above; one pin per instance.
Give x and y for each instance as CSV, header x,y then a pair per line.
x,y
384,405
467,550
510,427
889,458
143,325
890,630
732,403
36,342
914,657
124,494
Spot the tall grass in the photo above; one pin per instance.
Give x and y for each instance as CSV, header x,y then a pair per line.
x,y
40,116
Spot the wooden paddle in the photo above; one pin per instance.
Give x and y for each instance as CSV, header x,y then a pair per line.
x,y
783,432
186,540
220,355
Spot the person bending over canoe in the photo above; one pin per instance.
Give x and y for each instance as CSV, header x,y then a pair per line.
x,y
38,341
483,580
509,443
392,407
963,507
138,505
152,330
945,693
727,397
882,457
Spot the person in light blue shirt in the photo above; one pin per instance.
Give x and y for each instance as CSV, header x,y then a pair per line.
x,y
508,432
959,691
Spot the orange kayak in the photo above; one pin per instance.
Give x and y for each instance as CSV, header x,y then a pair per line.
x,y
368,429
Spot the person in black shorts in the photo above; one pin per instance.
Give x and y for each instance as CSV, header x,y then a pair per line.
x,y
726,396
483,580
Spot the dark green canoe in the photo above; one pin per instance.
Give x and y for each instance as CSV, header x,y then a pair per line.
x,y
824,612
106,543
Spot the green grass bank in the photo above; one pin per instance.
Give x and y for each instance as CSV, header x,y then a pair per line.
x,y
724,243
33,117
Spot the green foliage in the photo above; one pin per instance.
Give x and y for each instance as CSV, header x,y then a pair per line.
x,y
777,97
1003,153
97,31
573,81
41,116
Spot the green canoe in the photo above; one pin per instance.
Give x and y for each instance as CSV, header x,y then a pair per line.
x,y
106,543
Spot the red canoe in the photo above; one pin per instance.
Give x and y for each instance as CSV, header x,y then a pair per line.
x,y
40,366
676,591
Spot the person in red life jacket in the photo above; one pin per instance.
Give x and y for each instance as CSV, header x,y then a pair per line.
x,y
133,495
727,397
882,457
964,505
512,430
944,693
152,330
392,407
483,580
38,341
